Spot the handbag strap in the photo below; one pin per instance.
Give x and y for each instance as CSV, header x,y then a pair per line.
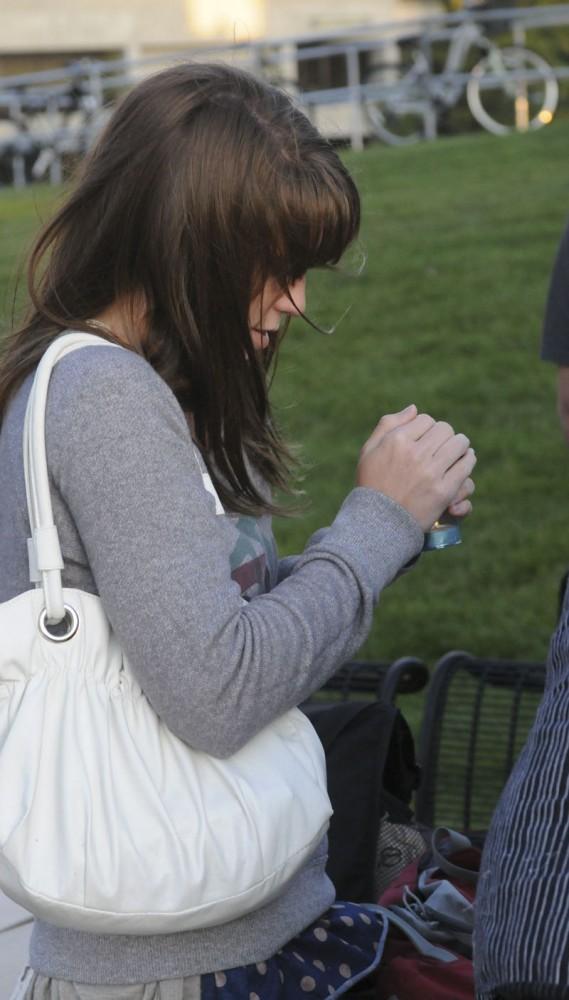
x,y
455,842
44,551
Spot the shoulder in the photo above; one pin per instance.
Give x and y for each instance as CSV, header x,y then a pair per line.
x,y
104,370
110,384
107,409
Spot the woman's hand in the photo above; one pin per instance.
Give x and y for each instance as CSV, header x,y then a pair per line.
x,y
420,463
461,505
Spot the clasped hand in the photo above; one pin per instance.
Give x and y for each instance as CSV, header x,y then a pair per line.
x,y
421,464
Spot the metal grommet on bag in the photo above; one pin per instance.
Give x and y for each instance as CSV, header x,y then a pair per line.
x,y
71,619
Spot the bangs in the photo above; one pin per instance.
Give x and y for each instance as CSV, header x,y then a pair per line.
x,y
315,217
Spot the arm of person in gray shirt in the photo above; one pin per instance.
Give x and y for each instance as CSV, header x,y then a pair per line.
x,y
555,339
555,336
288,563
216,669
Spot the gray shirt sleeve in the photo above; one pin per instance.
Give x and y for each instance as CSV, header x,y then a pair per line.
x,y
216,669
555,340
287,564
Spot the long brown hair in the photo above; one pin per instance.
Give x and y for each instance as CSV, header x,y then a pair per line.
x,y
205,183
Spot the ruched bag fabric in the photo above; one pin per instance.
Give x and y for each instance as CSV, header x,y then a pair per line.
x,y
108,822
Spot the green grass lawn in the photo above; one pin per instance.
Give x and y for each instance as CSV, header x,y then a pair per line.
x,y
459,237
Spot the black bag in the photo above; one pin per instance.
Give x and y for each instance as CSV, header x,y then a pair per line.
x,y
372,773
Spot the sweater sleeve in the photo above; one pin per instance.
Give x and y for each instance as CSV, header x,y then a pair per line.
x,y
287,564
555,336
216,669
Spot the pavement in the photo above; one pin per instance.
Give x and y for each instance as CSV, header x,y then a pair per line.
x,y
13,944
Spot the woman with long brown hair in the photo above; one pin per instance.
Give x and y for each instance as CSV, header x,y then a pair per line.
x,y
186,241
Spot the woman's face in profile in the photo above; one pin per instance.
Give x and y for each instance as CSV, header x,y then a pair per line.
x,y
270,305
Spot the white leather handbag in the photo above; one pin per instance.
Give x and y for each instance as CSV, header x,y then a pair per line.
x,y
108,822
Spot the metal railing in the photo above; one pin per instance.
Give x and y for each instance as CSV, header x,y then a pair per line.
x,y
48,115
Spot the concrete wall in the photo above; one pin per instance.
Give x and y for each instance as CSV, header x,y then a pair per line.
x,y
55,30
84,26
290,17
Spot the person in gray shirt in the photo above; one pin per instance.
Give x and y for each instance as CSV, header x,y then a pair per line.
x,y
555,347
186,239
555,337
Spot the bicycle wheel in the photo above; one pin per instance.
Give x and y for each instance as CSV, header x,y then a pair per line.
x,y
397,115
514,102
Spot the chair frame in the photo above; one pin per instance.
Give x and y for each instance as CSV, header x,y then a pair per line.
x,y
386,681
522,676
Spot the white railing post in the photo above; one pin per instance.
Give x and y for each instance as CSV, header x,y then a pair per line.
x,y
18,170
354,84
518,33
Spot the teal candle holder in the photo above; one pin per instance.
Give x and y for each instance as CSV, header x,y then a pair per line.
x,y
441,536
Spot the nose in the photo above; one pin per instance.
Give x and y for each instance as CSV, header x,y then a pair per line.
x,y
296,293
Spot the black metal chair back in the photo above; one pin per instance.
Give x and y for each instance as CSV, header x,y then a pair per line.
x,y
384,681
477,716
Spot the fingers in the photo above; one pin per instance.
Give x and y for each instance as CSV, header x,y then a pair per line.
x,y
465,491
451,450
462,509
461,506
420,462
437,436
455,477
389,422
419,427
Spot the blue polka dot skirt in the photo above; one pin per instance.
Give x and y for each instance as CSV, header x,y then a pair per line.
x,y
343,946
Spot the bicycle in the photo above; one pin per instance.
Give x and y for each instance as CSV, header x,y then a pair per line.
x,y
508,89
42,126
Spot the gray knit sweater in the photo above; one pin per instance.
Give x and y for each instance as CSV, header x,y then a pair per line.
x,y
138,528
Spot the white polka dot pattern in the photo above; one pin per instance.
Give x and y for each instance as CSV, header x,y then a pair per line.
x,y
307,984
323,961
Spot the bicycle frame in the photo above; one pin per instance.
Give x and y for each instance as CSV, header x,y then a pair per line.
x,y
446,91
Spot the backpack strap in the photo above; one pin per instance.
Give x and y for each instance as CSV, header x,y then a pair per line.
x,y
457,842
424,947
